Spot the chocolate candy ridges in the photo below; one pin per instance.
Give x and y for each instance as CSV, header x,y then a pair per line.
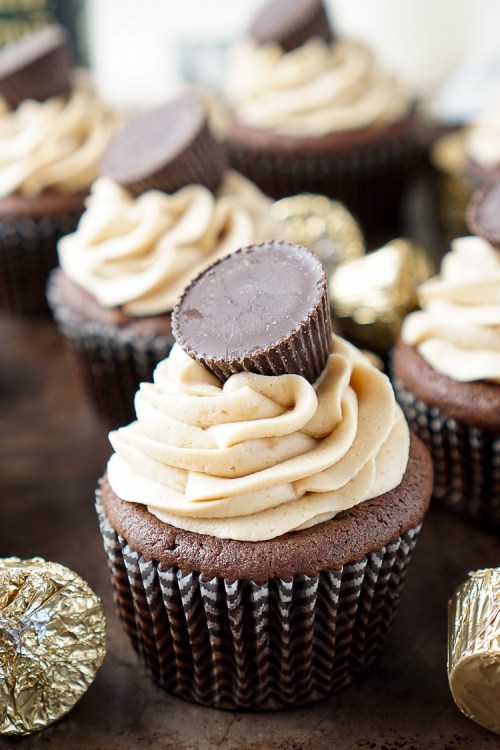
x,y
262,309
166,149
291,24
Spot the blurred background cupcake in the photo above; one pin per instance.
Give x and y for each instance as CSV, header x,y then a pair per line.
x,y
446,369
53,132
309,111
164,207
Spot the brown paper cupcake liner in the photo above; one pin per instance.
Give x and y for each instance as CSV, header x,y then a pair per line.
x,y
241,644
28,252
369,180
110,361
466,459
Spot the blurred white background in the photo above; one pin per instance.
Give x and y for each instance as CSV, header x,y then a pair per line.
x,y
447,51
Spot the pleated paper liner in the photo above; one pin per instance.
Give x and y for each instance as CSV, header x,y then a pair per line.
x,y
110,361
240,644
466,459
370,180
28,252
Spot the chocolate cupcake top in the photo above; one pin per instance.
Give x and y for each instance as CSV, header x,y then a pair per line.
x,y
483,214
291,23
37,66
458,330
260,454
313,85
261,309
166,149
139,253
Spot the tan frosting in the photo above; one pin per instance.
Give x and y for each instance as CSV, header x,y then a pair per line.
x,y
260,455
140,253
56,144
458,330
312,90
482,137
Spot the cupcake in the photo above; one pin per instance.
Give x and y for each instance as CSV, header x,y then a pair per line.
x,y
446,369
260,513
53,133
163,208
465,160
310,112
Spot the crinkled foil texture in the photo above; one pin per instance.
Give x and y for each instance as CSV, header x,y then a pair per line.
x,y
474,647
52,642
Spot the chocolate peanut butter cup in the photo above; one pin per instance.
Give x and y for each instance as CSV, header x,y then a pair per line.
x,y
291,24
262,309
166,149
37,66
483,213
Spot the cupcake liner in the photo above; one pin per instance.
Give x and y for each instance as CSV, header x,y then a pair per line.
x,y
28,252
370,180
109,360
242,644
466,459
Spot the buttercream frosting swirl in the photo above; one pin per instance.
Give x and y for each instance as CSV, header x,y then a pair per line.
x,y
56,144
260,455
458,330
139,253
315,89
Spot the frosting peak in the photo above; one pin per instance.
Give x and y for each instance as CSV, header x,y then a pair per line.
x,y
458,330
140,253
56,144
315,89
259,456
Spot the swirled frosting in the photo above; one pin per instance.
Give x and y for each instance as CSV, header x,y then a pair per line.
x,y
56,144
315,89
260,455
458,330
140,253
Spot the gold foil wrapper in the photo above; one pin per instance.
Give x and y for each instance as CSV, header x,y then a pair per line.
x,y
474,647
452,187
323,225
52,642
371,296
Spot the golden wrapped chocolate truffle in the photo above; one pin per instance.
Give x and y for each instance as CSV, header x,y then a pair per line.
x,y
371,296
474,648
322,225
52,642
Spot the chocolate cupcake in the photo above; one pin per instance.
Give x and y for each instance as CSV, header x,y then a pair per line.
x,y
53,132
446,371
258,530
313,113
164,207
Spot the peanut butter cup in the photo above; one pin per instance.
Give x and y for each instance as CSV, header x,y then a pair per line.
x,y
483,214
291,24
166,149
37,66
262,309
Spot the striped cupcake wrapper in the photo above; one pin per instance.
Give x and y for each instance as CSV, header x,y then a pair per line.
x,y
28,252
109,361
466,459
256,645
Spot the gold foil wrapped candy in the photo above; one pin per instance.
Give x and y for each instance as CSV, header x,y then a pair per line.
x,y
52,642
323,225
474,647
371,296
